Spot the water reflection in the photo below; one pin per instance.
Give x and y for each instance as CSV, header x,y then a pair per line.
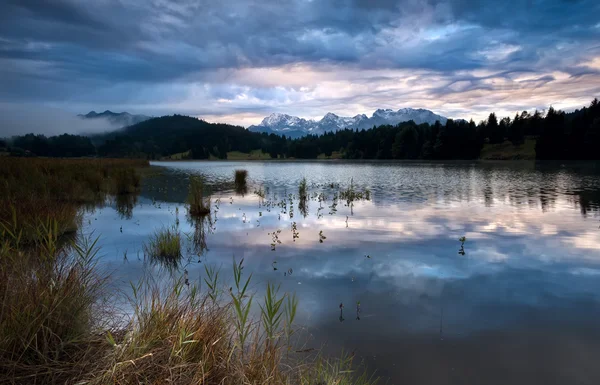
x,y
124,204
517,304
200,226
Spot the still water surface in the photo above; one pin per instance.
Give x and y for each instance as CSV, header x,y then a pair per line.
x,y
521,306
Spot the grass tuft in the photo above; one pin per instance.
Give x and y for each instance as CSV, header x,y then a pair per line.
x,y
198,205
241,185
164,247
49,310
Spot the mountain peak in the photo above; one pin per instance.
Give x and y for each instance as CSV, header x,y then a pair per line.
x,y
329,116
121,119
284,124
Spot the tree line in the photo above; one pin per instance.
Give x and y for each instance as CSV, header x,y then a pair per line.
x,y
558,135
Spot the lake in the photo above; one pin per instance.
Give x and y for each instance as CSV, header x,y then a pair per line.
x,y
517,303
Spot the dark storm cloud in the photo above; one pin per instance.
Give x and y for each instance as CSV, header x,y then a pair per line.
x,y
91,51
150,40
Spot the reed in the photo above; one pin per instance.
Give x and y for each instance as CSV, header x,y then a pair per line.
x,y
302,190
35,190
240,181
50,310
198,205
164,247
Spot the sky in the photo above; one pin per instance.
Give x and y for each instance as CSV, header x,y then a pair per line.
x,y
237,61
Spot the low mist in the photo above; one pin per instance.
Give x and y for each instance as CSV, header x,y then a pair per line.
x,y
24,119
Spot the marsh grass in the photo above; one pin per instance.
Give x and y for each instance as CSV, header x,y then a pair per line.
x,y
198,205
240,181
174,336
125,181
49,311
35,190
164,247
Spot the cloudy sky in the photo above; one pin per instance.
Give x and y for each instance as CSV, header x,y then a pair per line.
x,y
239,60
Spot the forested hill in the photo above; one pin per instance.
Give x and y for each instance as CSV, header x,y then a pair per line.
x,y
557,135
167,135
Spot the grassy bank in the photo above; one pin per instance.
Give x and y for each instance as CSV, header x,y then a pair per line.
x,y
57,324
508,151
35,191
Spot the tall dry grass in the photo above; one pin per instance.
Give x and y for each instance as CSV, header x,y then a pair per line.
x,y
34,190
50,309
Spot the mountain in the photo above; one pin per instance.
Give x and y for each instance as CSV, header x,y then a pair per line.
x,y
119,119
175,134
293,126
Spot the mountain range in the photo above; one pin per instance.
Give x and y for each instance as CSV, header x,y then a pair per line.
x,y
118,119
293,126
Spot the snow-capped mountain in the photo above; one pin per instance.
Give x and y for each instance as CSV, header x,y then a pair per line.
x,y
294,126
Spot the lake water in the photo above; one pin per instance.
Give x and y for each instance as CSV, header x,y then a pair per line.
x,y
521,306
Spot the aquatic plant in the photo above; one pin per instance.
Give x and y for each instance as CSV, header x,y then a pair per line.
x,y
462,241
240,182
260,192
295,233
275,239
164,247
351,194
321,237
302,190
198,205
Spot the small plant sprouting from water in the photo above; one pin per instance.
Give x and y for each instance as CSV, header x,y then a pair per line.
x,y
275,239
321,237
198,204
260,192
302,190
295,233
462,241
164,246
351,194
334,203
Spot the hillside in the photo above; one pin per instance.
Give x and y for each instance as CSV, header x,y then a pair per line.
x,y
166,135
